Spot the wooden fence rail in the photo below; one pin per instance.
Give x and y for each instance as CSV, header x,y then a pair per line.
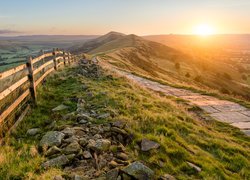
x,y
44,64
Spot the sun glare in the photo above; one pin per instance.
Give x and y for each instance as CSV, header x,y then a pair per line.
x,y
204,30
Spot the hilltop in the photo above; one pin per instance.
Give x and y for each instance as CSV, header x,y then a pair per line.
x,y
191,67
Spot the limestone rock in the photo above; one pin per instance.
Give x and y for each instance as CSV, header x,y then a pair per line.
x,y
56,162
139,171
33,131
103,116
73,147
147,145
99,144
52,138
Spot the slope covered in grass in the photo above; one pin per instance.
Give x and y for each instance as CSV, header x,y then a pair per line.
x,y
220,150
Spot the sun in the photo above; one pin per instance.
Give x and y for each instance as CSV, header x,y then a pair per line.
x,y
204,30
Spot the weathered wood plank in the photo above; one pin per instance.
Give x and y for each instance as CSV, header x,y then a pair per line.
x,y
10,89
35,60
42,66
43,76
32,80
13,105
12,71
59,57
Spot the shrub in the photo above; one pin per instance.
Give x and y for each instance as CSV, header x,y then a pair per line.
x,y
227,76
244,77
177,66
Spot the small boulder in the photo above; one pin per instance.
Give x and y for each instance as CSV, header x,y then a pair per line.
x,y
68,131
139,171
60,108
73,147
33,131
147,145
99,144
52,138
56,162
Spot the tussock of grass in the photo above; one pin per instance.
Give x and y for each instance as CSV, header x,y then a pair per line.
x,y
220,150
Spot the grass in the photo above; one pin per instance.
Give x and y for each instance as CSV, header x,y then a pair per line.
x,y
222,151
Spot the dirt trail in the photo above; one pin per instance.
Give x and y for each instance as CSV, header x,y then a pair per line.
x,y
221,110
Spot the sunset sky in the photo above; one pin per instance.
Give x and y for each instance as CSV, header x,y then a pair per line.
x,y
142,17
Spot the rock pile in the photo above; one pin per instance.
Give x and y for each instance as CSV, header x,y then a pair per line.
x,y
89,68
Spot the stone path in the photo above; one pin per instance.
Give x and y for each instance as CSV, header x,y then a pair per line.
x,y
222,110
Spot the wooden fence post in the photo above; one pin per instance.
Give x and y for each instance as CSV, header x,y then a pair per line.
x,y
64,58
69,58
54,59
43,60
32,81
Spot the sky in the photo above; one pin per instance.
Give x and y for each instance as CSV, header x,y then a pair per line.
x,y
141,17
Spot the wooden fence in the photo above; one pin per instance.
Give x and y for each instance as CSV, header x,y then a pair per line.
x,y
33,73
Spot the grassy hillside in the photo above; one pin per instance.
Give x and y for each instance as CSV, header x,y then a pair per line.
x,y
220,150
199,71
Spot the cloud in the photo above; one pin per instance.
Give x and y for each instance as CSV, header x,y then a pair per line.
x,y
8,31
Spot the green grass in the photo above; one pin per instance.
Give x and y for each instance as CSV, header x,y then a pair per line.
x,y
222,151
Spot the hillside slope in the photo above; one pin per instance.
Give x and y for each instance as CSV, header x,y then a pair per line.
x,y
190,148
175,67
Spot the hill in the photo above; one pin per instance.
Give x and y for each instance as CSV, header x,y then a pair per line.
x,y
206,67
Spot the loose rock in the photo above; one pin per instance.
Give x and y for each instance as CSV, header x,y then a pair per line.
x,y
52,138
147,145
73,147
195,167
33,132
56,162
139,171
60,108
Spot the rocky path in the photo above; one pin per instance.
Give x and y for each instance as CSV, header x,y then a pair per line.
x,y
222,110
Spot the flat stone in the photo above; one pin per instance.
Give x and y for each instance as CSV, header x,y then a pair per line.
x,y
56,162
247,132
122,156
60,108
139,171
230,117
195,167
52,138
209,109
242,125
118,130
33,131
119,124
83,121
247,113
147,145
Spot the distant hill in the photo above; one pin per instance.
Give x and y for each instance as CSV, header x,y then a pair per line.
x,y
95,43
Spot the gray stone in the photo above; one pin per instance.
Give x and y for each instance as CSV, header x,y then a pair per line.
x,y
73,147
68,131
119,124
195,167
87,154
53,150
139,171
60,108
147,145
33,131
112,174
83,122
71,139
56,162
83,142
52,138
118,130
103,116
99,144
167,177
